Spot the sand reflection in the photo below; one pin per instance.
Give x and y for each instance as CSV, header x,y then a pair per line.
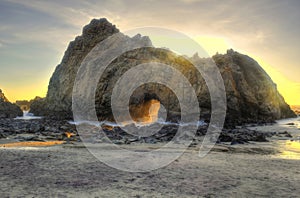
x,y
290,150
31,144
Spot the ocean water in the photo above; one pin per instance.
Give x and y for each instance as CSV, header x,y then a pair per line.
x,y
289,148
27,116
159,121
287,123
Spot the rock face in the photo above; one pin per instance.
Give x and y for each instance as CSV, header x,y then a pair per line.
x,y
251,94
59,97
7,109
25,104
149,91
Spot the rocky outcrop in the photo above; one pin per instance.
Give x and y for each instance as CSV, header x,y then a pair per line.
x,y
38,104
251,94
58,102
296,109
7,109
2,97
25,104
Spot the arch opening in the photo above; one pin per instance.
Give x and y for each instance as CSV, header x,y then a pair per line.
x,y
145,112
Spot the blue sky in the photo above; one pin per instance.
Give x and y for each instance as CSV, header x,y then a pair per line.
x,y
34,34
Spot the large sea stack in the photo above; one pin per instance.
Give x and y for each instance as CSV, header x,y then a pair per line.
x,y
251,94
7,109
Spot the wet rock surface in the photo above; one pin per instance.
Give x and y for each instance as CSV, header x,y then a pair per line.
x,y
35,130
46,130
241,136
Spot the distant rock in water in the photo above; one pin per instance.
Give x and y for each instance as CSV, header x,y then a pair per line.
x,y
296,109
251,94
2,96
25,104
7,109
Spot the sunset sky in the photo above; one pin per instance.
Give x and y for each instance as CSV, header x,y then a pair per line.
x,y
35,34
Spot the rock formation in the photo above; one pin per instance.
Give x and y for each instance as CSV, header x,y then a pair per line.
x,y
25,104
7,109
39,107
251,94
2,97
59,97
296,109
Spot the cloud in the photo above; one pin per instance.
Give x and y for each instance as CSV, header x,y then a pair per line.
x,y
23,25
269,29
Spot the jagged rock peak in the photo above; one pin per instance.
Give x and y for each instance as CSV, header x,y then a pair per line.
x,y
251,94
60,87
231,51
2,96
98,26
7,109
195,56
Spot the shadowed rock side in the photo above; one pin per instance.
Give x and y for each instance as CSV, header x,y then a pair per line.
x,y
58,102
39,106
7,109
149,91
251,94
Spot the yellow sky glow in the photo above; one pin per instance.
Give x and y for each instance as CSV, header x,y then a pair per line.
x,y
290,90
27,92
212,44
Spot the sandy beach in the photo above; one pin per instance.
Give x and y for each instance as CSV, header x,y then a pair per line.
x,y
70,170
146,99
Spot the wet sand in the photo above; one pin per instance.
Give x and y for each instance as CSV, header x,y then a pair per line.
x,y
71,171
30,144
